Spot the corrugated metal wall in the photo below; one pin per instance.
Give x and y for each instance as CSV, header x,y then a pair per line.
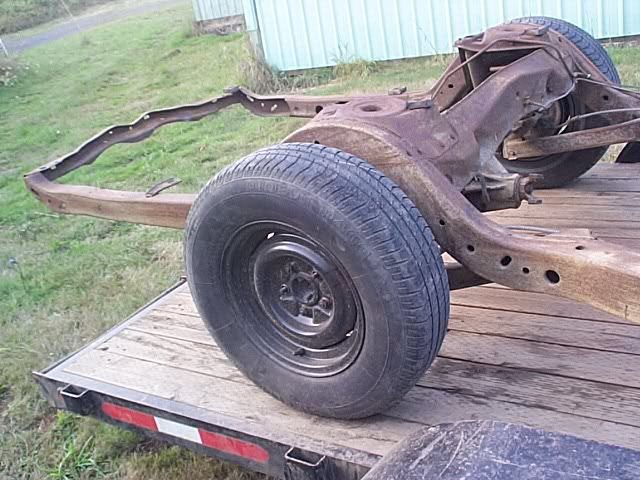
x,y
213,9
299,34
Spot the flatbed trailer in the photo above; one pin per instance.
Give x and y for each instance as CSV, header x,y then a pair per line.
x,y
511,356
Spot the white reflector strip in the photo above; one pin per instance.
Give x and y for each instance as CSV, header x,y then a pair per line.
x,y
178,430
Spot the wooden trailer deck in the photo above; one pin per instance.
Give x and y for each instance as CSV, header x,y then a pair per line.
x,y
509,355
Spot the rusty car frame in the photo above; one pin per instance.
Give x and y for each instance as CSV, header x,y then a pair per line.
x,y
450,149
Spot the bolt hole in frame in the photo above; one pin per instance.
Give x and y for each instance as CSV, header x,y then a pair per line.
x,y
505,261
552,277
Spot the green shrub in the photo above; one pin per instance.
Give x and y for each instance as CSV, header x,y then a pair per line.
x,y
9,71
258,76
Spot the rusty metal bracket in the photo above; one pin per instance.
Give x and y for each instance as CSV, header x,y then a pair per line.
x,y
162,186
625,132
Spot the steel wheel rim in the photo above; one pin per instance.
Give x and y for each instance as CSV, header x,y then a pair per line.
x,y
297,304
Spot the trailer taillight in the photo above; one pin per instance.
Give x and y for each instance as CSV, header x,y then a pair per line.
x,y
216,441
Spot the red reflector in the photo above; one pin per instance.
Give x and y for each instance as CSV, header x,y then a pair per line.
x,y
129,416
234,446
217,441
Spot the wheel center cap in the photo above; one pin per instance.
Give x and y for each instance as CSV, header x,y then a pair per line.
x,y
304,289
302,292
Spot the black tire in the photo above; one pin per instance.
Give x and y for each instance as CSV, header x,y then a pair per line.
x,y
341,221
588,45
562,168
629,154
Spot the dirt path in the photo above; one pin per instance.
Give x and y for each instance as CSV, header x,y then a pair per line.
x,y
19,42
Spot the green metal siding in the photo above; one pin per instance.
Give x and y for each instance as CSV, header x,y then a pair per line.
x,y
213,9
300,34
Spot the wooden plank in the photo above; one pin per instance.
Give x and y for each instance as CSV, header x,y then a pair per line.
x,y
577,397
611,184
612,201
599,228
594,365
577,193
495,297
612,170
175,352
622,338
490,310
158,325
184,306
620,174
555,219
595,400
585,213
432,407
631,243
244,402
529,302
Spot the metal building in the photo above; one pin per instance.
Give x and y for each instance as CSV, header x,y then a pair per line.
x,y
205,10
300,34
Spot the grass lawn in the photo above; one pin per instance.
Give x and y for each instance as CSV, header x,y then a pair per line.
x,y
66,279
